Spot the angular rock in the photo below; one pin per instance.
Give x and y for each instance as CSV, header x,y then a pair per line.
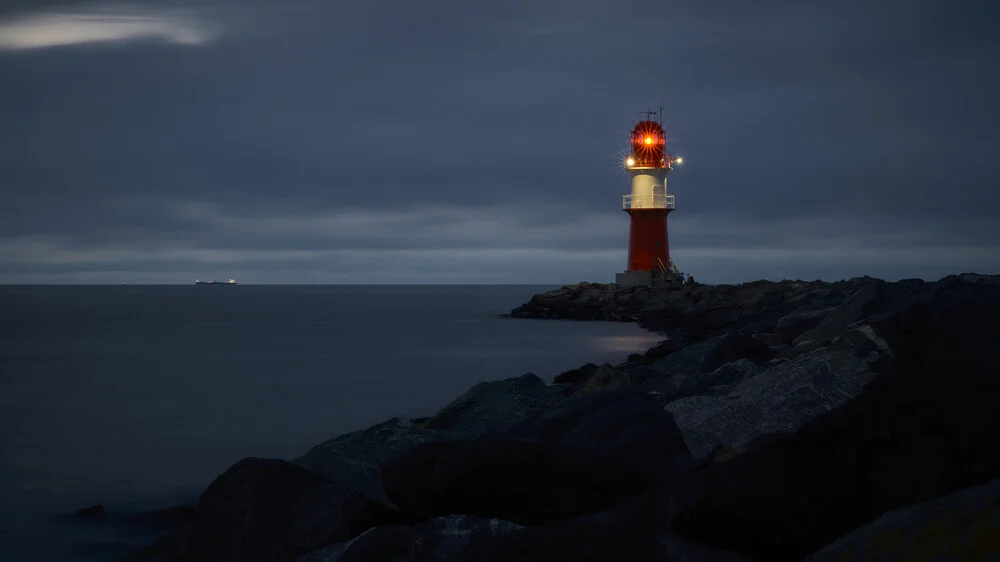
x,y
576,376
964,525
926,426
355,458
797,323
491,404
779,399
510,479
628,424
859,305
269,510
768,339
606,377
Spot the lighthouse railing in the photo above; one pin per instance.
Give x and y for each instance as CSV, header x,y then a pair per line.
x,y
648,201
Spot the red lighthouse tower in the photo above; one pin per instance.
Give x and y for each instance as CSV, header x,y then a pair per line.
x,y
648,204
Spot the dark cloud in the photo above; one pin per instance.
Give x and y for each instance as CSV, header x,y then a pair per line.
x,y
449,137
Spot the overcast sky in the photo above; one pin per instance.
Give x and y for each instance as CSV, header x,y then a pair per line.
x,y
439,141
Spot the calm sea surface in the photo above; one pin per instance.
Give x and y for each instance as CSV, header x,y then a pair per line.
x,y
136,397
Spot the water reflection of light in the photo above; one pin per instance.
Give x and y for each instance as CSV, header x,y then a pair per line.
x,y
626,344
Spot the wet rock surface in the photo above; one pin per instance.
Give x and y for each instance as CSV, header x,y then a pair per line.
x,y
776,421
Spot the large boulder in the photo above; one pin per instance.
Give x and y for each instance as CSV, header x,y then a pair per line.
x,y
706,367
964,525
355,459
925,426
797,323
494,404
626,423
267,510
861,304
778,399
516,480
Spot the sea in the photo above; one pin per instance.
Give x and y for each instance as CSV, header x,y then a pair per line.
x,y
136,397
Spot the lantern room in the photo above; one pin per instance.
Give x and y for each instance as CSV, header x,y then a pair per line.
x,y
648,145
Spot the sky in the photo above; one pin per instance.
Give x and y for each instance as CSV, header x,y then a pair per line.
x,y
326,141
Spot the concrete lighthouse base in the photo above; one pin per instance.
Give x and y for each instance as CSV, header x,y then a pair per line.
x,y
637,278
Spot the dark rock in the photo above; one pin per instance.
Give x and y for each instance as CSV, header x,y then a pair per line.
x,y
576,376
615,534
769,339
779,398
606,377
797,323
627,424
633,530
442,539
514,480
926,426
964,525
92,512
389,542
734,346
269,510
640,373
355,459
861,304
493,403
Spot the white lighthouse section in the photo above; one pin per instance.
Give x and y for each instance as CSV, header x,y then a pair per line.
x,y
649,190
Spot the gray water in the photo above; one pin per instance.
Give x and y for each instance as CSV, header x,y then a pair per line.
x,y
137,397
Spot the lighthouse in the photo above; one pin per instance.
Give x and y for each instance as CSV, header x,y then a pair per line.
x,y
648,203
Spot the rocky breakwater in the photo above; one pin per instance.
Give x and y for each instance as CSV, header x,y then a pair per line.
x,y
778,421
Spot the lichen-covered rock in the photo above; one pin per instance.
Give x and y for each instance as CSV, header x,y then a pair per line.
x,y
964,525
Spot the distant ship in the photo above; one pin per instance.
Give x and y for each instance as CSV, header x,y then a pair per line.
x,y
200,282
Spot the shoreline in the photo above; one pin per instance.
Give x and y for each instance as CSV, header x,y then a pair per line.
x,y
681,452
